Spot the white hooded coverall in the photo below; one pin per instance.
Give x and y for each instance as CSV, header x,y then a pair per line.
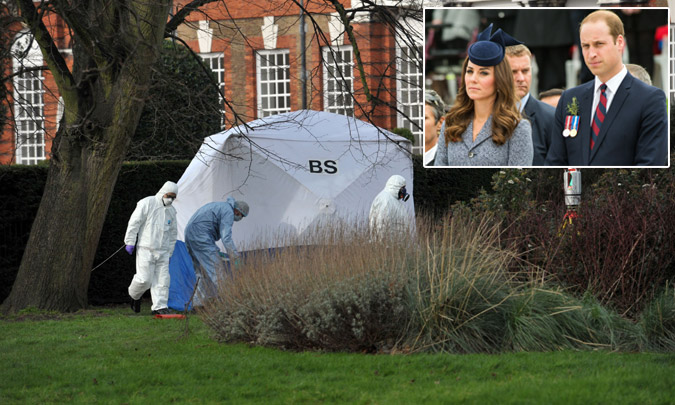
x,y
155,226
389,217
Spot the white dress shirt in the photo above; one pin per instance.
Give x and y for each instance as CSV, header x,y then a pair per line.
x,y
612,87
429,155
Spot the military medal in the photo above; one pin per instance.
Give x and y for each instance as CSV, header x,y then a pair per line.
x,y
571,126
568,124
574,128
572,120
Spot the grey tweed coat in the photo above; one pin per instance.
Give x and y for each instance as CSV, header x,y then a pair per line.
x,y
517,151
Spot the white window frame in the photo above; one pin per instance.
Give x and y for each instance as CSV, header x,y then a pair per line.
x,y
338,80
274,92
216,62
29,105
410,94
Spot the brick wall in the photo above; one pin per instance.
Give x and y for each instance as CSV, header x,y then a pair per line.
x,y
240,37
50,94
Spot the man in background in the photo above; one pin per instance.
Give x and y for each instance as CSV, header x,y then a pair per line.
x,y
551,96
639,72
434,111
539,114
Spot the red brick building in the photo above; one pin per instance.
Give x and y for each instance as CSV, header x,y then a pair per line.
x,y
34,100
256,49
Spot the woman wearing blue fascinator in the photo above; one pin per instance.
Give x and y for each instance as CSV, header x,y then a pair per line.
x,y
484,127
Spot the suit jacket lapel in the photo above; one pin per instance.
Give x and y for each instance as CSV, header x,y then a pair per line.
x,y
614,108
584,125
485,133
530,111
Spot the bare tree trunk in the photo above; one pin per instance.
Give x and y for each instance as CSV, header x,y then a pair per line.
x,y
104,98
56,266
55,269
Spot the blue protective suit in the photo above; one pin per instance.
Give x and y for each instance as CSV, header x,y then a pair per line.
x,y
211,222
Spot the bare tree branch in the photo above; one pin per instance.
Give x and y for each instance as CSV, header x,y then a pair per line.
x,y
237,117
57,65
183,13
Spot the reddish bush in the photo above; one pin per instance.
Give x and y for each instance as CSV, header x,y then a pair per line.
x,y
620,245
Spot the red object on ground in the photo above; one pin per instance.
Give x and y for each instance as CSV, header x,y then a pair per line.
x,y
177,316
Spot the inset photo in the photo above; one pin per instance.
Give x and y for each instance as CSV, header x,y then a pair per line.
x,y
546,87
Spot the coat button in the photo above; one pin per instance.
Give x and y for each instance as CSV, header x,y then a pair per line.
x,y
471,154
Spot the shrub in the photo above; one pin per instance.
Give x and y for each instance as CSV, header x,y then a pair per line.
x,y
658,321
460,286
183,107
435,190
607,327
619,246
358,314
549,318
541,319
447,290
406,133
334,290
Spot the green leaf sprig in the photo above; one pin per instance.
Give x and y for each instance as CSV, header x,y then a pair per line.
x,y
573,107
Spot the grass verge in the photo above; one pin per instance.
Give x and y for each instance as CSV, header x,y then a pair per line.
x,y
114,356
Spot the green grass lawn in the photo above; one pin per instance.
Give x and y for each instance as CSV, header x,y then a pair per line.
x,y
115,356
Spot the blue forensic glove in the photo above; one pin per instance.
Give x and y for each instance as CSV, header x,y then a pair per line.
x,y
130,249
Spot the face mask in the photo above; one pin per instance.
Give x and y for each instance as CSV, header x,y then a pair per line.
x,y
403,194
167,201
238,217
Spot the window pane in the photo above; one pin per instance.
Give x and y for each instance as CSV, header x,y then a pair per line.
x,y
409,83
338,81
274,80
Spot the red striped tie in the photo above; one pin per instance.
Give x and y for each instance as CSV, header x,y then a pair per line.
x,y
599,117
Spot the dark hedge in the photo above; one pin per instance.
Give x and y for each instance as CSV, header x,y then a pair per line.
x,y
21,190
435,190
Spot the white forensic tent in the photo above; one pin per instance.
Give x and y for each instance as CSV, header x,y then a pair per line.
x,y
294,170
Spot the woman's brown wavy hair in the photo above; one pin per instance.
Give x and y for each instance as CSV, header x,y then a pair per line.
x,y
505,114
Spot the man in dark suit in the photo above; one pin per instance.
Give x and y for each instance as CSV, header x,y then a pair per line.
x,y
539,114
614,120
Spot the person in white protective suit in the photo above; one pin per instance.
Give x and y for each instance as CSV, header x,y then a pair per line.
x,y
389,218
152,231
208,224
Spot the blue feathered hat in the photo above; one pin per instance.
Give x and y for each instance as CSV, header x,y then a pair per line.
x,y
488,50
